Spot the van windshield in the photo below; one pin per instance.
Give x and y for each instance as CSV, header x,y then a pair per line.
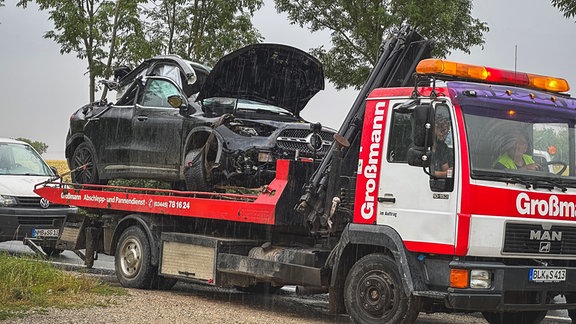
x,y
20,159
519,143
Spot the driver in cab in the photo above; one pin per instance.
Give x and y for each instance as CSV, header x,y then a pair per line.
x,y
514,156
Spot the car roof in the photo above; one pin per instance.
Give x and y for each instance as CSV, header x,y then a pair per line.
x,y
10,140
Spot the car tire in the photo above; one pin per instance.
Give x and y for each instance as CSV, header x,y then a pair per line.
x,y
195,173
83,156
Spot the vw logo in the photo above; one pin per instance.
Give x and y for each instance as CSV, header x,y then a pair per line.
x,y
44,203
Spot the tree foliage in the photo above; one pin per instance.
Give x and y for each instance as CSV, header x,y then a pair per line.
x,y
202,31
40,147
109,33
567,7
357,29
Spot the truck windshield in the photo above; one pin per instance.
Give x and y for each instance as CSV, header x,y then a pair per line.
x,y
521,143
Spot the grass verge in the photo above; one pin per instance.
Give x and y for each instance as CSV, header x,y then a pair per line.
x,y
29,285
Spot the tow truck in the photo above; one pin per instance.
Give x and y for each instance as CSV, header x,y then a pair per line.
x,y
381,224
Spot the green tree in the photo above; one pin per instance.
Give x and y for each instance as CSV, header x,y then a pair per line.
x,y
357,29
40,147
199,30
567,7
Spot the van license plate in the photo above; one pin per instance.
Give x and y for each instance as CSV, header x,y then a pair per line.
x,y
547,275
45,232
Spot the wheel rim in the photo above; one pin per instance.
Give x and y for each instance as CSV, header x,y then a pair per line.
x,y
377,294
131,258
82,157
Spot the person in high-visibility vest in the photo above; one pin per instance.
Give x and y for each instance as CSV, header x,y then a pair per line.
x,y
515,156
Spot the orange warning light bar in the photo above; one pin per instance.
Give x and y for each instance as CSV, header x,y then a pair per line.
x,y
491,75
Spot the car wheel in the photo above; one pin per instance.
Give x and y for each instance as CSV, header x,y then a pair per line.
x,y
83,164
374,292
514,317
132,259
195,173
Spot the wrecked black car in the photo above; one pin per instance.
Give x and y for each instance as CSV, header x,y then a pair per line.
x,y
200,128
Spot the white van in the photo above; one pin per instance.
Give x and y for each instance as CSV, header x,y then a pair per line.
x,y
22,212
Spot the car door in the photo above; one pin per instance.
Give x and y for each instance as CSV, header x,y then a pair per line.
x,y
157,130
110,131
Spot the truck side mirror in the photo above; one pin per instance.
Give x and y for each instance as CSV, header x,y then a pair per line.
x,y
419,153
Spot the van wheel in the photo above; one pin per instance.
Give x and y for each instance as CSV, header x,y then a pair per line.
x,y
374,292
132,259
195,173
84,156
514,317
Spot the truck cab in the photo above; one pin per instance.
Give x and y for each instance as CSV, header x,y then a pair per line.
x,y
492,233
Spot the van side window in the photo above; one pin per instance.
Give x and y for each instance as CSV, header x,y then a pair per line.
x,y
400,137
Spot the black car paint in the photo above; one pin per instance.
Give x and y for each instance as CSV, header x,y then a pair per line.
x,y
129,140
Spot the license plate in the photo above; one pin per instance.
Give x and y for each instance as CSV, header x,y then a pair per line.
x,y
547,275
45,232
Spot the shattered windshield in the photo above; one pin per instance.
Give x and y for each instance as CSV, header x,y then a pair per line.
x,y
18,159
519,143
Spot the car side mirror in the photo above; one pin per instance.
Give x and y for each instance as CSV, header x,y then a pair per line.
x,y
181,103
419,153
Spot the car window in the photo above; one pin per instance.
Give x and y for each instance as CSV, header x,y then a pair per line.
x,y
156,93
18,159
169,71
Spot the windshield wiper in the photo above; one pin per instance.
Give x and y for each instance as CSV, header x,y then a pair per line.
x,y
546,182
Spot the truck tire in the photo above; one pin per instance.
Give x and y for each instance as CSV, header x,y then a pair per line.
x,y
374,292
132,259
514,317
83,155
196,175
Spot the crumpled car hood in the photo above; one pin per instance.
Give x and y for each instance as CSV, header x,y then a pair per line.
x,y
17,185
274,74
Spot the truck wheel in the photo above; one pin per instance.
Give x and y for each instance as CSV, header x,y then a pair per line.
x,y
374,293
132,259
195,172
83,155
514,317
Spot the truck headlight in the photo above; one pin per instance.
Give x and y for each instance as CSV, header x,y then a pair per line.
x,y
7,201
480,279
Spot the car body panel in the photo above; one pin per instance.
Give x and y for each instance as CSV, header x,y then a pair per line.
x,y
274,74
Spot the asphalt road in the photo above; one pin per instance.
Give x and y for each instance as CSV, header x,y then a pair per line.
x,y
105,265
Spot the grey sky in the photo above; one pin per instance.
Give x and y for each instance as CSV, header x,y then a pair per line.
x,y
40,88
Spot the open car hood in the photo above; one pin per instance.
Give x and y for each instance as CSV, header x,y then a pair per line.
x,y
274,74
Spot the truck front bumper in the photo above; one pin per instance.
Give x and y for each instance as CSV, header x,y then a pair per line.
x,y
16,223
512,289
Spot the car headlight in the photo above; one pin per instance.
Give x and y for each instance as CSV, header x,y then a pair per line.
x,y
7,201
